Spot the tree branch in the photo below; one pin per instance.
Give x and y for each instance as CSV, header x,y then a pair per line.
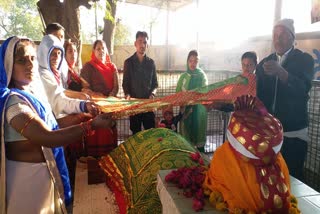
x,y
3,26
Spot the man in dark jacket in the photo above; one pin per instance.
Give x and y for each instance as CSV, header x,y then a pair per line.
x,y
140,81
283,82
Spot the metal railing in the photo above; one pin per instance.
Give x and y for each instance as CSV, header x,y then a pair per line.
x,y
167,85
312,163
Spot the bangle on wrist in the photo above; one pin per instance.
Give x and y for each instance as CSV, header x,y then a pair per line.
x,y
83,106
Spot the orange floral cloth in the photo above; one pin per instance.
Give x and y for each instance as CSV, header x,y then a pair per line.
x,y
227,91
236,179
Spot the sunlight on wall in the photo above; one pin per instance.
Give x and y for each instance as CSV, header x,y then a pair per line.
x,y
226,22
223,21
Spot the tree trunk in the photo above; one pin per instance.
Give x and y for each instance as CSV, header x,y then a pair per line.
x,y
67,14
109,25
71,22
50,11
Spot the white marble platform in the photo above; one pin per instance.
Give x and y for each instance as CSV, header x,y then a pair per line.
x,y
174,202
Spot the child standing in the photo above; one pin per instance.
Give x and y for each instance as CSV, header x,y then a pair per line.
x,y
170,121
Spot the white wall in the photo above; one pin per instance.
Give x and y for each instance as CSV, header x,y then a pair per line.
x,y
213,56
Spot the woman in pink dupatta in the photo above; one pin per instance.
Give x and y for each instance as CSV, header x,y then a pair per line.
x,y
102,76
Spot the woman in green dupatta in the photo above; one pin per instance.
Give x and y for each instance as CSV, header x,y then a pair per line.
x,y
193,125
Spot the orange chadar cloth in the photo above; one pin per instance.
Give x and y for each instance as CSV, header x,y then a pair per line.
x,y
224,91
236,179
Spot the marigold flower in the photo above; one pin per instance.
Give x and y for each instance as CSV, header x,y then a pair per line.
x,y
238,211
206,191
221,206
294,210
293,199
215,197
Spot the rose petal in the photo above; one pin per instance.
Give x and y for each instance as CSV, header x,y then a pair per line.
x,y
197,205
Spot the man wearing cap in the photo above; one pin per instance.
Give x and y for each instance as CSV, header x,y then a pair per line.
x,y
283,82
247,173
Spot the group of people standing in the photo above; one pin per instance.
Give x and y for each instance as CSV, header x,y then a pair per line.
x,y
140,81
34,175
45,103
40,118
